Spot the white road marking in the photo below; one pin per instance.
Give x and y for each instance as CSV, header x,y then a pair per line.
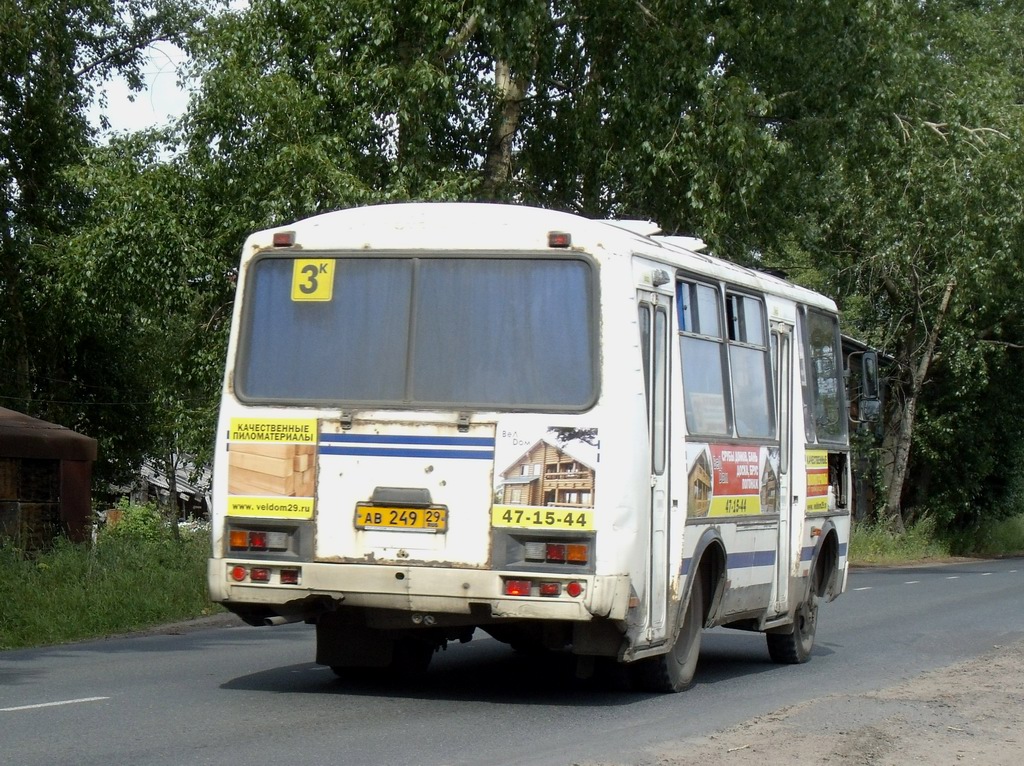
x,y
954,577
911,582
51,704
865,588
985,574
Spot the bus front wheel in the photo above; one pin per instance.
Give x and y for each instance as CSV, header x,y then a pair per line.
x,y
795,648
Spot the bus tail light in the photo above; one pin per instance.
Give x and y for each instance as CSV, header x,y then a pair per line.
x,y
556,553
577,553
551,552
259,540
517,587
286,576
548,588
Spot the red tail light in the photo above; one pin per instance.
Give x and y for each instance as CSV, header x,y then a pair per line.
x,y
517,587
556,552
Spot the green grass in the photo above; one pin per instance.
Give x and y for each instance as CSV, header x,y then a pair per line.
x,y
877,544
134,576
1000,538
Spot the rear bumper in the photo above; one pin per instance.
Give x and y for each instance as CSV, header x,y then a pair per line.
x,y
441,590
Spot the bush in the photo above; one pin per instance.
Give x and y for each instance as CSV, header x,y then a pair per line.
x,y
137,522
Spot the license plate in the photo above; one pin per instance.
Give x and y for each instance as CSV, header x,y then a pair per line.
x,y
416,519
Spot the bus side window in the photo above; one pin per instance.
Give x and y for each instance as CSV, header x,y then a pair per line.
x,y
823,382
701,348
748,358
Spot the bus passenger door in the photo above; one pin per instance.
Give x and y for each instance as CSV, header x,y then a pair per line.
x,y
654,320
782,366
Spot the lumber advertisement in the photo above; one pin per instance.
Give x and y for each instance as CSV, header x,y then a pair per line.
x,y
272,467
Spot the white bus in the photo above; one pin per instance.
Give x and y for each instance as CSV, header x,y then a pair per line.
x,y
571,434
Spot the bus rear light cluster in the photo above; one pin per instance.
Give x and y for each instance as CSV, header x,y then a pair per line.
x,y
257,540
573,588
556,552
287,576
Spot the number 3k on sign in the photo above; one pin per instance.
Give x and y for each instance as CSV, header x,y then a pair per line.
x,y
313,279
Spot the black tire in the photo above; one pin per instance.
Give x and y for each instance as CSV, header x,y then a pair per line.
x,y
674,670
795,648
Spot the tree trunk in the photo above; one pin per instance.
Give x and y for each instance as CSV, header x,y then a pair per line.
x,y
511,90
893,510
171,511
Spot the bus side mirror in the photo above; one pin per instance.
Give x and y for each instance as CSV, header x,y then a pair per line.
x,y
870,404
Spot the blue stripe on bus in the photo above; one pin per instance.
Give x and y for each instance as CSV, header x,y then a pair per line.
x,y
806,554
740,561
750,560
454,441
452,454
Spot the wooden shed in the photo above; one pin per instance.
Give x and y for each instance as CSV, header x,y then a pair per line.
x,y
45,481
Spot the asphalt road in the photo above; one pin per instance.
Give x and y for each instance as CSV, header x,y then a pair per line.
x,y
241,695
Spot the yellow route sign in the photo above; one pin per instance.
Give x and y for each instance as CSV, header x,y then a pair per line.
x,y
313,279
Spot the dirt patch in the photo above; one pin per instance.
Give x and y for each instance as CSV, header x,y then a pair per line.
x,y
967,713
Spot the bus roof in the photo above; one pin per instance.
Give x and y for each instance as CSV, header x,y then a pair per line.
x,y
483,226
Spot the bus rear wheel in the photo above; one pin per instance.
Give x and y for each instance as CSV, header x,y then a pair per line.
x,y
795,648
674,670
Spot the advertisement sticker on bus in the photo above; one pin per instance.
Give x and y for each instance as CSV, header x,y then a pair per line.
x,y
271,467
817,481
732,480
545,479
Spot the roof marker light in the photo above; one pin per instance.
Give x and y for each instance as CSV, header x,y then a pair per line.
x,y
284,238
559,239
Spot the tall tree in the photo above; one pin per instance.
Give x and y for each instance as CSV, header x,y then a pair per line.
x,y
903,141
53,56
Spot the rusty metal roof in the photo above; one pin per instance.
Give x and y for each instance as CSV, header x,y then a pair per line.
x,y
24,436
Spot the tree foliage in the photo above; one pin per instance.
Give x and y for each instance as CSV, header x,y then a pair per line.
x,y
69,354
870,149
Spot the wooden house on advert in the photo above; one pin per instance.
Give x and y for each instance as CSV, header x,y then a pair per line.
x,y
550,475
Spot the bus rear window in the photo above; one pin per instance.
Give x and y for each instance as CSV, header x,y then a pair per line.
x,y
467,332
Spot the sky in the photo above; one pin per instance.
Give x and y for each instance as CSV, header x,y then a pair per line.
x,y
157,104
